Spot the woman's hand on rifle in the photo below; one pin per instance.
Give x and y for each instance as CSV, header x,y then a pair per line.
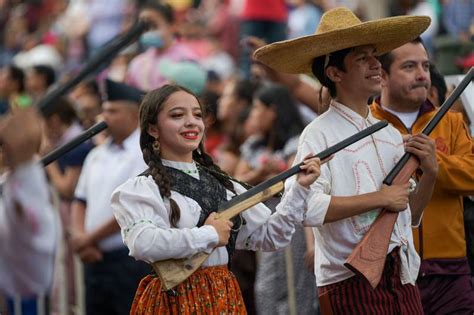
x,y
222,227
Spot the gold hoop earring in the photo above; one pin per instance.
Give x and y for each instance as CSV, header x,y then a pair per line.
x,y
156,146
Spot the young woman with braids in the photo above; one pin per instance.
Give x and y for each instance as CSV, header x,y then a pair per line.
x,y
169,211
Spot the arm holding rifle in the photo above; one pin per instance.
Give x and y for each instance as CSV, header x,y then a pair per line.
x,y
324,208
424,149
143,215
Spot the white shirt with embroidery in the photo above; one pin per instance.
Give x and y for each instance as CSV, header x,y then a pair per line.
x,y
358,169
105,168
28,232
143,215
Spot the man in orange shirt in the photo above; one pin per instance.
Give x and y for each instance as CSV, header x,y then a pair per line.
x,y
444,279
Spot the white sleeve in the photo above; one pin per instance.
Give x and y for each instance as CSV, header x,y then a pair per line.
x,y
266,231
143,216
319,195
27,188
80,192
28,230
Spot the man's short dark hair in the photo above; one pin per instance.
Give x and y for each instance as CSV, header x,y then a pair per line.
x,y
387,59
336,59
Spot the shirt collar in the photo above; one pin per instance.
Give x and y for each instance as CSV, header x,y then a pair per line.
x,y
354,117
130,143
426,107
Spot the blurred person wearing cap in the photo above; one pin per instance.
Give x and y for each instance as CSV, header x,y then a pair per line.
x,y
160,43
444,280
347,197
111,275
28,224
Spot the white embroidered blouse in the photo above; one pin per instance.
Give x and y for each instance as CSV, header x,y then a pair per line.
x,y
358,169
143,215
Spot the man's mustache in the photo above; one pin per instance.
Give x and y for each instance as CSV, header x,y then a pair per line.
x,y
422,84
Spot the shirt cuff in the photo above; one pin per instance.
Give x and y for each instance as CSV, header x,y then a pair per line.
x,y
207,238
317,210
294,203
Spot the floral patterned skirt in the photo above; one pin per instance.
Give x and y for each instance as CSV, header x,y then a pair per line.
x,y
209,290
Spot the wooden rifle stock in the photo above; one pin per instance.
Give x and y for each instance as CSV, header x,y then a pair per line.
x,y
368,257
174,271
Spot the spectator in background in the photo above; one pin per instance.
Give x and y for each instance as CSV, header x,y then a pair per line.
x,y
438,90
278,125
105,20
458,19
28,226
111,275
38,79
222,24
88,86
187,74
61,126
303,18
160,44
88,108
214,135
12,89
233,108
266,19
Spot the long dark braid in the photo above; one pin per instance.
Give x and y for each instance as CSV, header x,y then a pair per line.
x,y
159,174
149,110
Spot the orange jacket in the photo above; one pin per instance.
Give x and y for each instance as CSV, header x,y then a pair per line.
x,y
441,234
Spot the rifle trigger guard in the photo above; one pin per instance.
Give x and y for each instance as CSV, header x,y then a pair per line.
x,y
241,222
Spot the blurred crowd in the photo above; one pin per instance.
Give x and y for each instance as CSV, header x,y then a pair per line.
x,y
254,115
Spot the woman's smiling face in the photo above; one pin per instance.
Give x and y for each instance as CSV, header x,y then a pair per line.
x,y
180,127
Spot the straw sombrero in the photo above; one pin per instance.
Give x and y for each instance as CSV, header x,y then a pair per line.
x,y
338,29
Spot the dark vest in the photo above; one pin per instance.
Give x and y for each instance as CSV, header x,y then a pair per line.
x,y
208,192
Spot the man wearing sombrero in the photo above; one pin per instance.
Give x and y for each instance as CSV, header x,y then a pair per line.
x,y
347,197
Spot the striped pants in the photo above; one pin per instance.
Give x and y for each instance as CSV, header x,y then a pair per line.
x,y
356,296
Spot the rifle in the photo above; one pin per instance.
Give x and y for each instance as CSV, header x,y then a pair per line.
x,y
80,138
174,271
106,53
368,258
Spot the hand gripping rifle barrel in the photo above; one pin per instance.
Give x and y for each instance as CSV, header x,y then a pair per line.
x,y
174,271
368,258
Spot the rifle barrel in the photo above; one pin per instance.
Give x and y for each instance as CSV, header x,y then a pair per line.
x,y
295,169
85,135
